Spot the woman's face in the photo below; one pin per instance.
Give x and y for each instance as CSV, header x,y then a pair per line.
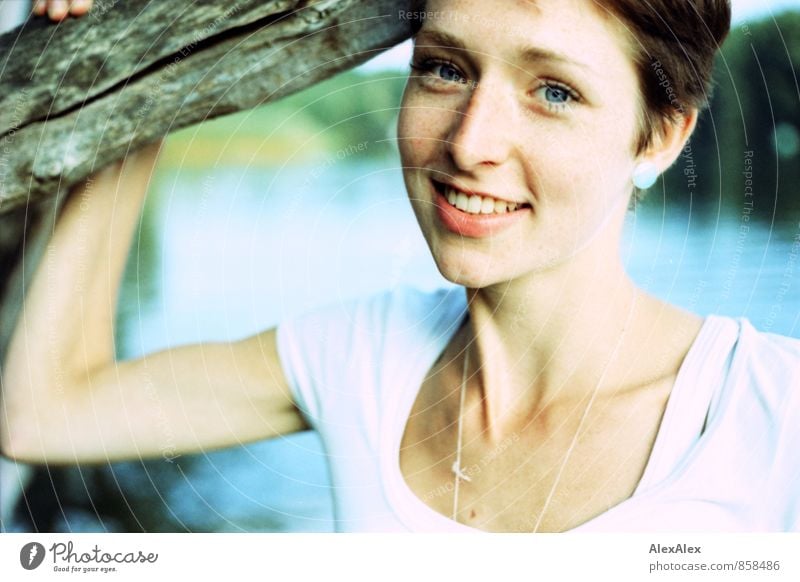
x,y
523,103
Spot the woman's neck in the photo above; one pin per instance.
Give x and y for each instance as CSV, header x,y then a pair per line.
x,y
550,339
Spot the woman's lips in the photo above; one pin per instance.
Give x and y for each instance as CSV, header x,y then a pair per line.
x,y
474,225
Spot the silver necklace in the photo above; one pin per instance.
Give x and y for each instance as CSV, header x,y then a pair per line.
x,y
458,472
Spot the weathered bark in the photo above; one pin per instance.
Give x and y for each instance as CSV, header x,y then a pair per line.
x,y
77,96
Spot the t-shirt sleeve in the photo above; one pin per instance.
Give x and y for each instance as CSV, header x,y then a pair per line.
x,y
291,337
775,372
331,354
338,358
788,460
314,349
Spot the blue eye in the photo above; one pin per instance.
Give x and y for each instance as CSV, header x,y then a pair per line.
x,y
448,72
439,70
556,95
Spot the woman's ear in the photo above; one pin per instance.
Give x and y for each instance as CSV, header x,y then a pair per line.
x,y
668,143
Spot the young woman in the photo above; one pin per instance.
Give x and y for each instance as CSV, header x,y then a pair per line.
x,y
547,392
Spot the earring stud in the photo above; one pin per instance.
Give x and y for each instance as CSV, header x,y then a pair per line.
x,y
645,175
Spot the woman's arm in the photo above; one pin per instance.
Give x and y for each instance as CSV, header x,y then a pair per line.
x,y
66,399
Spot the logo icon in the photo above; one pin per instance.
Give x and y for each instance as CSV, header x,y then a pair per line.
x,y
31,555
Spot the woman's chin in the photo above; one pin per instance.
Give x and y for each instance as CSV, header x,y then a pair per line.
x,y
469,276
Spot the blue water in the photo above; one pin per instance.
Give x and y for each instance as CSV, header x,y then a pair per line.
x,y
241,250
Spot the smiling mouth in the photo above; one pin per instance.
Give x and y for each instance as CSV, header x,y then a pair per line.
x,y
474,203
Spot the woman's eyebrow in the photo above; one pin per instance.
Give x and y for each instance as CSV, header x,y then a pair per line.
x,y
528,54
439,38
533,54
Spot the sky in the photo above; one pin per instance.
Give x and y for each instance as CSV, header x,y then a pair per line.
x,y
750,9
399,56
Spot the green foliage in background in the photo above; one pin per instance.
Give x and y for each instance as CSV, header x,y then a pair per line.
x,y
346,110
754,109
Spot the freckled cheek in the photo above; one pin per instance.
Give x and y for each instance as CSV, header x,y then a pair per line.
x,y
577,171
558,163
421,130
410,138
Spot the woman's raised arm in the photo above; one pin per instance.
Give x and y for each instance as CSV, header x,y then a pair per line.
x,y
64,397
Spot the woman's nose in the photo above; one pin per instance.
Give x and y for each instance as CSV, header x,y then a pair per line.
x,y
481,134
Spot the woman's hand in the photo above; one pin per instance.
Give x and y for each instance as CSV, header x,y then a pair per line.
x,y
58,10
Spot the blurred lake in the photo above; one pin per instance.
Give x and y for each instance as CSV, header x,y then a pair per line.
x,y
229,252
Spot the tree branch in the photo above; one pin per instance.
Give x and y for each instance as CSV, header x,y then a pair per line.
x,y
79,95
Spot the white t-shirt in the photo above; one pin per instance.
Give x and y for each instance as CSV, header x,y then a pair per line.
x,y
726,457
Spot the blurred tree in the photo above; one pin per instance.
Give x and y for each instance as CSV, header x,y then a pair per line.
x,y
754,109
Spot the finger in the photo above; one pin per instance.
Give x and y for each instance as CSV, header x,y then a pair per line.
x,y
57,9
39,7
80,7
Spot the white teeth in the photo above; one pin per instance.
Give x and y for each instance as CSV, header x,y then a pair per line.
x,y
475,203
478,204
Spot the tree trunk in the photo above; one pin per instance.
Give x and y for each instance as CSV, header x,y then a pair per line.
x,y
77,96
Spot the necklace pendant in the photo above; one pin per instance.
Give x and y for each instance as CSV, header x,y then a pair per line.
x,y
459,472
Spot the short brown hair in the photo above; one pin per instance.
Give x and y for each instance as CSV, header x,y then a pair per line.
x,y
674,44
